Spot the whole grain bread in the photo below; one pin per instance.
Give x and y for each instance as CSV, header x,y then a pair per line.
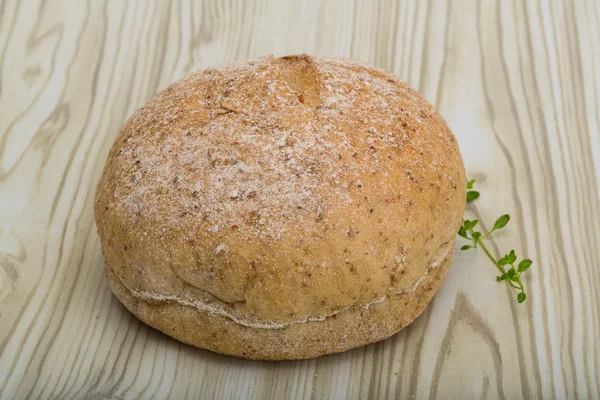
x,y
282,208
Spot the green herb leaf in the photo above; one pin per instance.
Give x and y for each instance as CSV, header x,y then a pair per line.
x,y
470,224
512,257
502,277
503,260
470,184
525,264
511,273
521,297
501,222
466,247
472,195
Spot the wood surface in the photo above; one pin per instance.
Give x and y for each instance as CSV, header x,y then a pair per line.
x,y
517,81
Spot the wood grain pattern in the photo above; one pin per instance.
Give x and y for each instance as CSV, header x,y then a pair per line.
x,y
517,81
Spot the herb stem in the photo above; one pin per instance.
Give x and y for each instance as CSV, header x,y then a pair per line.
x,y
492,259
519,279
487,252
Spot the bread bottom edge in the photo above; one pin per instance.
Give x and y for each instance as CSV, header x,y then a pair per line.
x,y
349,329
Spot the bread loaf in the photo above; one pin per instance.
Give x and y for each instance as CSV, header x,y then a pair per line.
x,y
282,208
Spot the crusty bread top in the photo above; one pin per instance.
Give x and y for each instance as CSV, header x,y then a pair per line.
x,y
280,190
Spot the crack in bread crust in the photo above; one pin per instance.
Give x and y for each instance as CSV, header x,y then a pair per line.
x,y
354,328
216,310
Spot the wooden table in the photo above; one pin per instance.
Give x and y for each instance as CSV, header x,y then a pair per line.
x,y
517,81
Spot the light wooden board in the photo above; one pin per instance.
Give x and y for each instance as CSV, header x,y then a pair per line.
x,y
517,81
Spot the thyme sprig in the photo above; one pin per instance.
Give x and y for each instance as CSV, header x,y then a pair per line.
x,y
512,275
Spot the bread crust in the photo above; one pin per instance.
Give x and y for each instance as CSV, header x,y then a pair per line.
x,y
291,207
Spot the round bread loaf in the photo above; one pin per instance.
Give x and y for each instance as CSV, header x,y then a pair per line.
x,y
282,208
